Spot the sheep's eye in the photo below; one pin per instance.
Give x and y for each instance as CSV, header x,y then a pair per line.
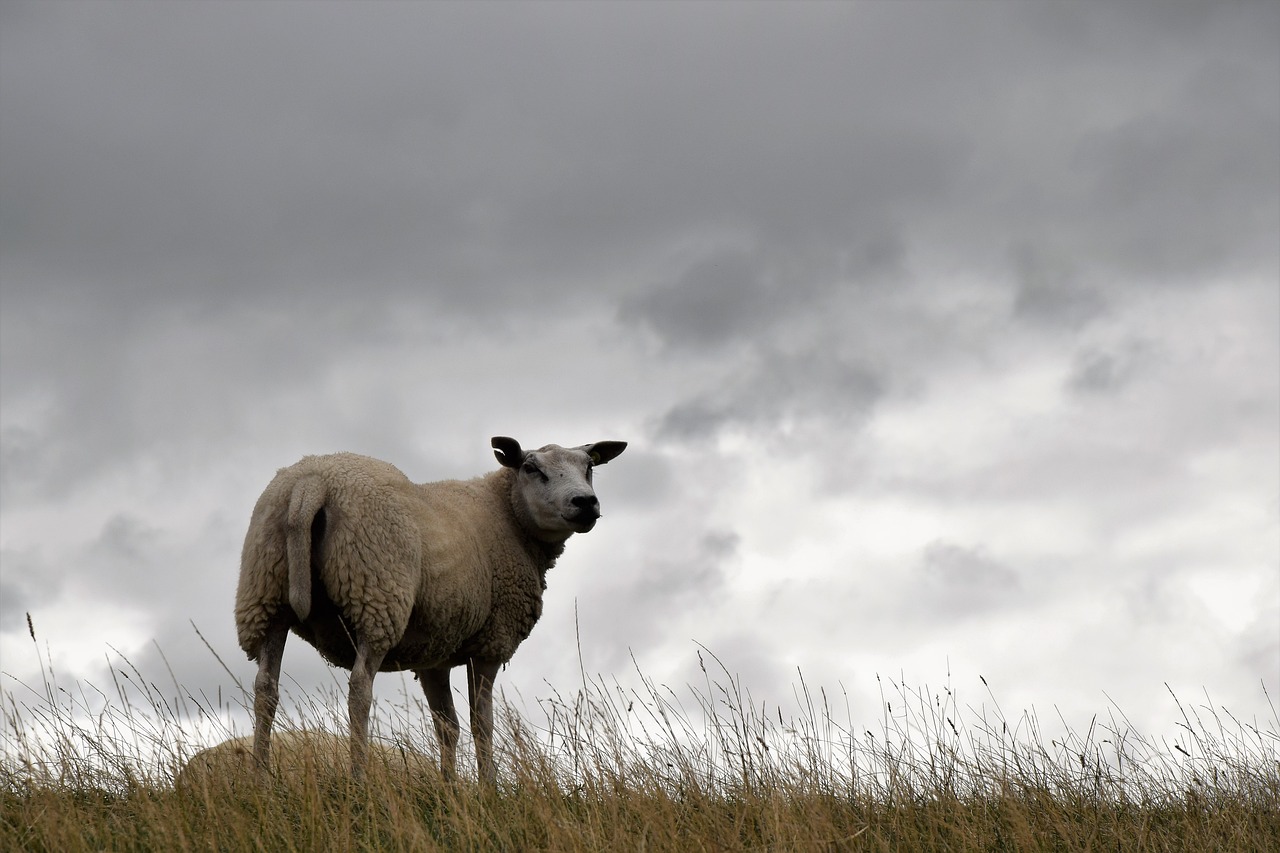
x,y
530,468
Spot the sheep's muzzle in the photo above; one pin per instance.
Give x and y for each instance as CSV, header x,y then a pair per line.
x,y
587,511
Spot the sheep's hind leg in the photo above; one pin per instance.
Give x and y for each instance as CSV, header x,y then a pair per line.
x,y
480,678
435,684
359,701
266,694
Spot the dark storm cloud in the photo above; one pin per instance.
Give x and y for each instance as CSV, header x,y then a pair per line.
x,y
1189,182
739,295
1172,172
201,154
779,390
201,151
719,298
306,162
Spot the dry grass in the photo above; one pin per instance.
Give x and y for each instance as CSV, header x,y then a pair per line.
x,y
612,768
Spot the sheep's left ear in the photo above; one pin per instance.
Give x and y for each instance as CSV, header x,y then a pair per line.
x,y
507,450
602,451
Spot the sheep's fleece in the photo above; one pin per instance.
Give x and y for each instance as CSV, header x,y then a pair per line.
x,y
381,574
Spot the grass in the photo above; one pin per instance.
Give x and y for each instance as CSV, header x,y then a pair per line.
x,y
644,768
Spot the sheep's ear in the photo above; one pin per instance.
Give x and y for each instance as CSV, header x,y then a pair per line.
x,y
507,450
602,451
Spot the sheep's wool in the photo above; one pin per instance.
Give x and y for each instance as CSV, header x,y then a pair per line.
x,y
436,574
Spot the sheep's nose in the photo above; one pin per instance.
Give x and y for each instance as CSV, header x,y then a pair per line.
x,y
585,502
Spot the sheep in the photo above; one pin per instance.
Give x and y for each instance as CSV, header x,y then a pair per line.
x,y
383,575
299,754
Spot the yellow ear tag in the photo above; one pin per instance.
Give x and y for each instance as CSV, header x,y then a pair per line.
x,y
595,457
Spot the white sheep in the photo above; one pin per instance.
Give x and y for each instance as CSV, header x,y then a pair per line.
x,y
383,575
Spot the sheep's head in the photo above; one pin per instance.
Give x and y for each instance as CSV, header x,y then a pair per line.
x,y
552,490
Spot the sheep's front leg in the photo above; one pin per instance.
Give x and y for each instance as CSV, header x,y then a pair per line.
x,y
359,700
435,684
480,678
266,694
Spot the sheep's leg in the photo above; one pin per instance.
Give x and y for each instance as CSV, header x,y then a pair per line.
x,y
266,694
359,700
480,678
435,683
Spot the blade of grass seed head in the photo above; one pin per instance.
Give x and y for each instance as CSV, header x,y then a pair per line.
x,y
218,658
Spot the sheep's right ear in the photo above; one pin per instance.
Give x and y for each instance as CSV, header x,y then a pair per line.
x,y
602,451
507,450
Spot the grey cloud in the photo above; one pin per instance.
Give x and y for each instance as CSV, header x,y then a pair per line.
x,y
719,298
1156,162
1098,371
745,658
146,387
780,388
169,383
167,578
648,484
227,230
736,294
123,556
702,575
26,585
1154,598
467,153
347,158
1180,194
198,152
1050,290
199,648
636,611
20,470
1257,648
959,581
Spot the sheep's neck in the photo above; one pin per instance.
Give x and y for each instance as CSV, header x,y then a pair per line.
x,y
545,554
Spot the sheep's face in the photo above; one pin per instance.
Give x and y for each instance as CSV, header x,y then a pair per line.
x,y
553,485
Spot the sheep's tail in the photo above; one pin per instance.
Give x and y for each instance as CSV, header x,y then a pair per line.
x,y
305,505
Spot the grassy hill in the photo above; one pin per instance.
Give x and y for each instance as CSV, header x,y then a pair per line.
x,y
631,769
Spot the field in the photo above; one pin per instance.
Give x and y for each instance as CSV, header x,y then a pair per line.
x,y
647,768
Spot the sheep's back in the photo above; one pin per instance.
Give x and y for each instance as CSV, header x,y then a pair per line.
x,y
369,552
370,555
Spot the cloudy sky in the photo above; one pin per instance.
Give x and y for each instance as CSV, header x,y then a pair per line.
x,y
944,334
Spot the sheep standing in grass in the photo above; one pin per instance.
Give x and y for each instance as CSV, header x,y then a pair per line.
x,y
381,575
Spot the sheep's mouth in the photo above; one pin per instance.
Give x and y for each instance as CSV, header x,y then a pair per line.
x,y
583,521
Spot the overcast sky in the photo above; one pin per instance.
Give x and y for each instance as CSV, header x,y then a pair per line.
x,y
944,335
